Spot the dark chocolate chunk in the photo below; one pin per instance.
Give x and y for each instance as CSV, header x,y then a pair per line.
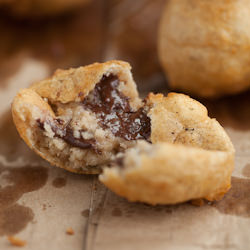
x,y
77,142
114,112
66,133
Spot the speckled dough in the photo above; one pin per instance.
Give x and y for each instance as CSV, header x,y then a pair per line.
x,y
40,8
60,97
204,46
191,156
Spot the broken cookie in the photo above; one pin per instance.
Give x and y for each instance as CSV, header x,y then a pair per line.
x,y
160,150
81,118
191,158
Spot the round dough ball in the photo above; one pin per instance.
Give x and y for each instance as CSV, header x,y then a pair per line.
x,y
204,46
34,8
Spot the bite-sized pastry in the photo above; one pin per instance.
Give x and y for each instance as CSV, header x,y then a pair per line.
x,y
86,118
79,119
191,156
204,46
40,8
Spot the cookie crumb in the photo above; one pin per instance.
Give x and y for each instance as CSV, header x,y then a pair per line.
x,y
15,241
70,231
198,202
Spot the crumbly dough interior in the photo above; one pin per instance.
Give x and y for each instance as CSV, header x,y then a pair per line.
x,y
84,124
90,133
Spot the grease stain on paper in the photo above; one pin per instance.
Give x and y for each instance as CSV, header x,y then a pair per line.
x,y
237,200
59,182
14,183
117,212
85,213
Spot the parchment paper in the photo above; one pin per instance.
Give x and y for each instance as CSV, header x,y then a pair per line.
x,y
38,202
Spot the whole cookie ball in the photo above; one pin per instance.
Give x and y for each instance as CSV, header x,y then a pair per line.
x,y
204,46
40,8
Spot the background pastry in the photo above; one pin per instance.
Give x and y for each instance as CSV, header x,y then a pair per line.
x,y
204,46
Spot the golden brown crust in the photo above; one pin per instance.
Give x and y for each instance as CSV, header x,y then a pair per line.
x,y
64,87
167,174
22,115
180,119
191,156
204,45
74,84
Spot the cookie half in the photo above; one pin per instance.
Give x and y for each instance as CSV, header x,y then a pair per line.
x,y
79,119
191,158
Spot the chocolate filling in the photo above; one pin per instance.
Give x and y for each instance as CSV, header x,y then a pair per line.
x,y
66,133
114,112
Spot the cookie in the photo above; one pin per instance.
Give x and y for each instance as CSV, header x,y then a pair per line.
x,y
191,156
203,46
161,150
40,8
79,119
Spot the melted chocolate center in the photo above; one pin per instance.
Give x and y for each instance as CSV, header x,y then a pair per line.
x,y
66,133
113,110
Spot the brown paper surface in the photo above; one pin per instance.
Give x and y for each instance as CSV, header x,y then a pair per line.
x,y
39,203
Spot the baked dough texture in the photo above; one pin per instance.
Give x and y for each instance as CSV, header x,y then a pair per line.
x,y
40,8
52,120
204,46
161,150
191,156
